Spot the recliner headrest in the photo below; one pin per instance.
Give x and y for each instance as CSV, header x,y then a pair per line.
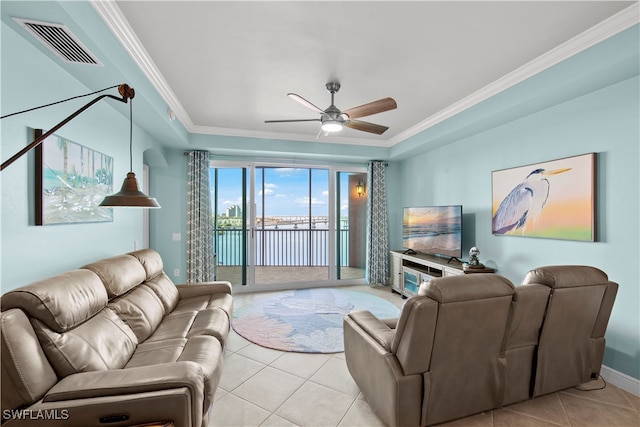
x,y
119,273
60,302
466,287
566,276
150,260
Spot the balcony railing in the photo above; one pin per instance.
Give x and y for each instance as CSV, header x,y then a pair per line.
x,y
281,247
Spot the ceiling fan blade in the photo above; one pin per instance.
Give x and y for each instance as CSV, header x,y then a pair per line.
x,y
366,126
292,121
384,104
304,102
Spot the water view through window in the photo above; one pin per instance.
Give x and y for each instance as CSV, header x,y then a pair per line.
x,y
282,230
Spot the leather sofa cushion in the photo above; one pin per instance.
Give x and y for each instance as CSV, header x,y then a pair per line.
x,y
566,276
157,352
141,309
60,302
150,260
26,373
174,325
102,342
185,324
213,322
166,290
222,301
118,274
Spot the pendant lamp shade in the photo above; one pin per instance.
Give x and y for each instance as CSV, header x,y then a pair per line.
x,y
130,196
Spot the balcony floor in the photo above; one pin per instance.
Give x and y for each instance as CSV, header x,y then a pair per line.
x,y
282,274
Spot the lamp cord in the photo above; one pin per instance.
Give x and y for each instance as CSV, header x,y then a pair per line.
x,y
131,136
57,102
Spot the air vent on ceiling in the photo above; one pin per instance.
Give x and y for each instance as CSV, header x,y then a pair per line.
x,y
60,41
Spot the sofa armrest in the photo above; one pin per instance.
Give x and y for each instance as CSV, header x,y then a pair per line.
x,y
203,288
374,327
148,408
142,379
392,322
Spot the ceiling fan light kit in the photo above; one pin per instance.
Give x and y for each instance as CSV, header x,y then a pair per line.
x,y
333,119
331,126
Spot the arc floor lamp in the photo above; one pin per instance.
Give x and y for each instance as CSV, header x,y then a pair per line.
x,y
130,194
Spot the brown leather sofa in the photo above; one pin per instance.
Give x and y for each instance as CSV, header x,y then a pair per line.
x,y
113,343
466,344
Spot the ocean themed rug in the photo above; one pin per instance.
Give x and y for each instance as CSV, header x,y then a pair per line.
x,y
306,320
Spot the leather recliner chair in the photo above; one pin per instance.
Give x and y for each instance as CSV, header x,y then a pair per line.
x,y
445,357
466,344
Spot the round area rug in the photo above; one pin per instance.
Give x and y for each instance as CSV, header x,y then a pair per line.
x,y
306,320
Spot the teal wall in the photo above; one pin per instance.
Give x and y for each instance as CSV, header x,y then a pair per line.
x,y
170,184
29,252
605,120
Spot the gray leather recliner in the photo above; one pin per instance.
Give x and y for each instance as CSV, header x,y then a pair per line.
x,y
466,344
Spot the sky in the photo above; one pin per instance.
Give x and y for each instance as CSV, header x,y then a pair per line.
x,y
285,192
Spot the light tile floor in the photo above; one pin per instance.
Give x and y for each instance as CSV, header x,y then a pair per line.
x,y
264,387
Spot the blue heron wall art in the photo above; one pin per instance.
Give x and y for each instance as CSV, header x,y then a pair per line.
x,y
554,199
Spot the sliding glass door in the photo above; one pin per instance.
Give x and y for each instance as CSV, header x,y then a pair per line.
x,y
292,225
230,223
277,225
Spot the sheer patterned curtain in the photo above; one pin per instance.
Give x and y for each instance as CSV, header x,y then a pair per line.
x,y
377,261
200,267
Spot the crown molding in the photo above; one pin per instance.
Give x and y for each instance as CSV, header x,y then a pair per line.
x,y
115,20
611,26
210,130
118,24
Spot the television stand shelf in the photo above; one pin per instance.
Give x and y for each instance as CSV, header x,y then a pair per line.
x,y
409,270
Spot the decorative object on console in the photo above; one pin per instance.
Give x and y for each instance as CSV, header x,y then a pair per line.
x,y
555,200
130,195
474,261
473,258
474,265
71,180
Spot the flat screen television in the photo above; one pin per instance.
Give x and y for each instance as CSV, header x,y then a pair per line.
x,y
435,230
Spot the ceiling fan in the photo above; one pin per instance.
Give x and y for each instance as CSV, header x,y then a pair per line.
x,y
333,119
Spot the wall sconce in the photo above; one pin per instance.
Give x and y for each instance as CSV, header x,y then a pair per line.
x,y
129,195
360,188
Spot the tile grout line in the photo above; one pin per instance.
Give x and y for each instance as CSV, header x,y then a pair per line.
x,y
534,417
295,391
564,410
629,408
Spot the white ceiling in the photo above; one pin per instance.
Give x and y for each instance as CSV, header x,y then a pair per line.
x,y
226,67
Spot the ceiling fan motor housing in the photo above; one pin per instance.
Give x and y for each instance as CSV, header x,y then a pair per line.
x,y
333,87
333,119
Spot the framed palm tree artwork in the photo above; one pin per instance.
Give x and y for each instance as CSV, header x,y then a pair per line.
x,y
71,180
554,199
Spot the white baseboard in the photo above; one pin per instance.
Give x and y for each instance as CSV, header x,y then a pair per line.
x,y
621,380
